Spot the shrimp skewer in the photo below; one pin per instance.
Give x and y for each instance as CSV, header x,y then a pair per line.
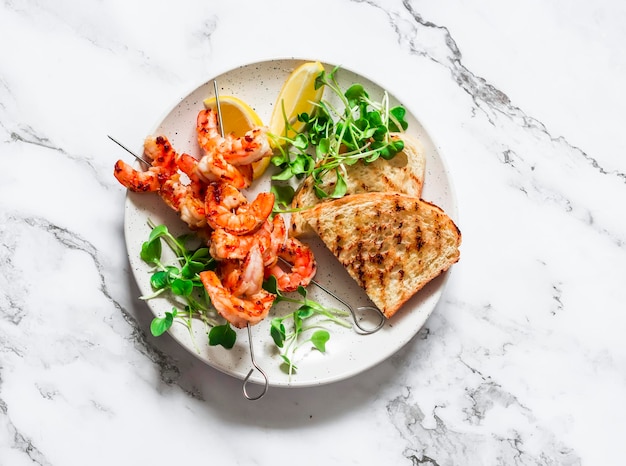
x,y
244,278
137,181
214,165
303,266
239,311
250,148
185,200
163,158
227,208
271,235
163,177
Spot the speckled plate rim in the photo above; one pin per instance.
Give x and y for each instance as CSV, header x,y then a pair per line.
x,y
348,353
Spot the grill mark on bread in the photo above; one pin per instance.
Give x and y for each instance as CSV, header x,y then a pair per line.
x,y
391,244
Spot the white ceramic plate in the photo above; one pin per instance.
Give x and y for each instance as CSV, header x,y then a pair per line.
x,y
347,353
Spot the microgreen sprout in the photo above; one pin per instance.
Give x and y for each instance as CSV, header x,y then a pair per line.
x,y
334,138
283,195
181,281
292,331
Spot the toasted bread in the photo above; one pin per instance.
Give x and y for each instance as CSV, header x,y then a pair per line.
x,y
404,173
390,243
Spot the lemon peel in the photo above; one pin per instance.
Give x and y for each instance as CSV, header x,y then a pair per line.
x,y
297,95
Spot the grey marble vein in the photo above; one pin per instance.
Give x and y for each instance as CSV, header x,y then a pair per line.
x,y
15,289
20,441
443,446
426,39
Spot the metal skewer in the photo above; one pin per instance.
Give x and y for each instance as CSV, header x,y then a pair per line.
x,y
257,367
218,108
361,309
252,358
130,151
360,329
250,343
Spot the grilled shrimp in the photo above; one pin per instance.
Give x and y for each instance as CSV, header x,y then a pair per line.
x,y
186,201
209,136
227,208
213,167
135,180
244,278
303,266
249,148
163,157
226,246
277,239
239,311
269,237
189,166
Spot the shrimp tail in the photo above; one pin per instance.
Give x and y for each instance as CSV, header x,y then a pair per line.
x,y
227,208
303,266
239,311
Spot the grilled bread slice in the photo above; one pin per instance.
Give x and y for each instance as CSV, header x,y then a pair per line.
x,y
404,173
390,243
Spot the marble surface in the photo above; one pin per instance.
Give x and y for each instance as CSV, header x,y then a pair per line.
x,y
523,361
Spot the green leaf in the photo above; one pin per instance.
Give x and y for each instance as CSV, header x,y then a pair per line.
x,y
300,164
279,159
371,158
320,80
352,161
297,323
151,251
355,94
222,335
159,280
369,133
305,311
182,287
380,133
398,145
374,118
301,142
277,331
157,232
200,253
319,192
160,325
322,148
362,124
397,115
271,285
191,268
386,153
340,188
283,194
286,174
173,272
319,339
287,366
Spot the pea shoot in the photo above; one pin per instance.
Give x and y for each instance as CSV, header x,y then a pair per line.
x,y
181,281
333,138
292,331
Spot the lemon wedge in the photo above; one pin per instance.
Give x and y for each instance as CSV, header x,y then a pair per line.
x,y
239,118
298,95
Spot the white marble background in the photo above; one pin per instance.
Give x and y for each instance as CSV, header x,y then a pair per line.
x,y
523,362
